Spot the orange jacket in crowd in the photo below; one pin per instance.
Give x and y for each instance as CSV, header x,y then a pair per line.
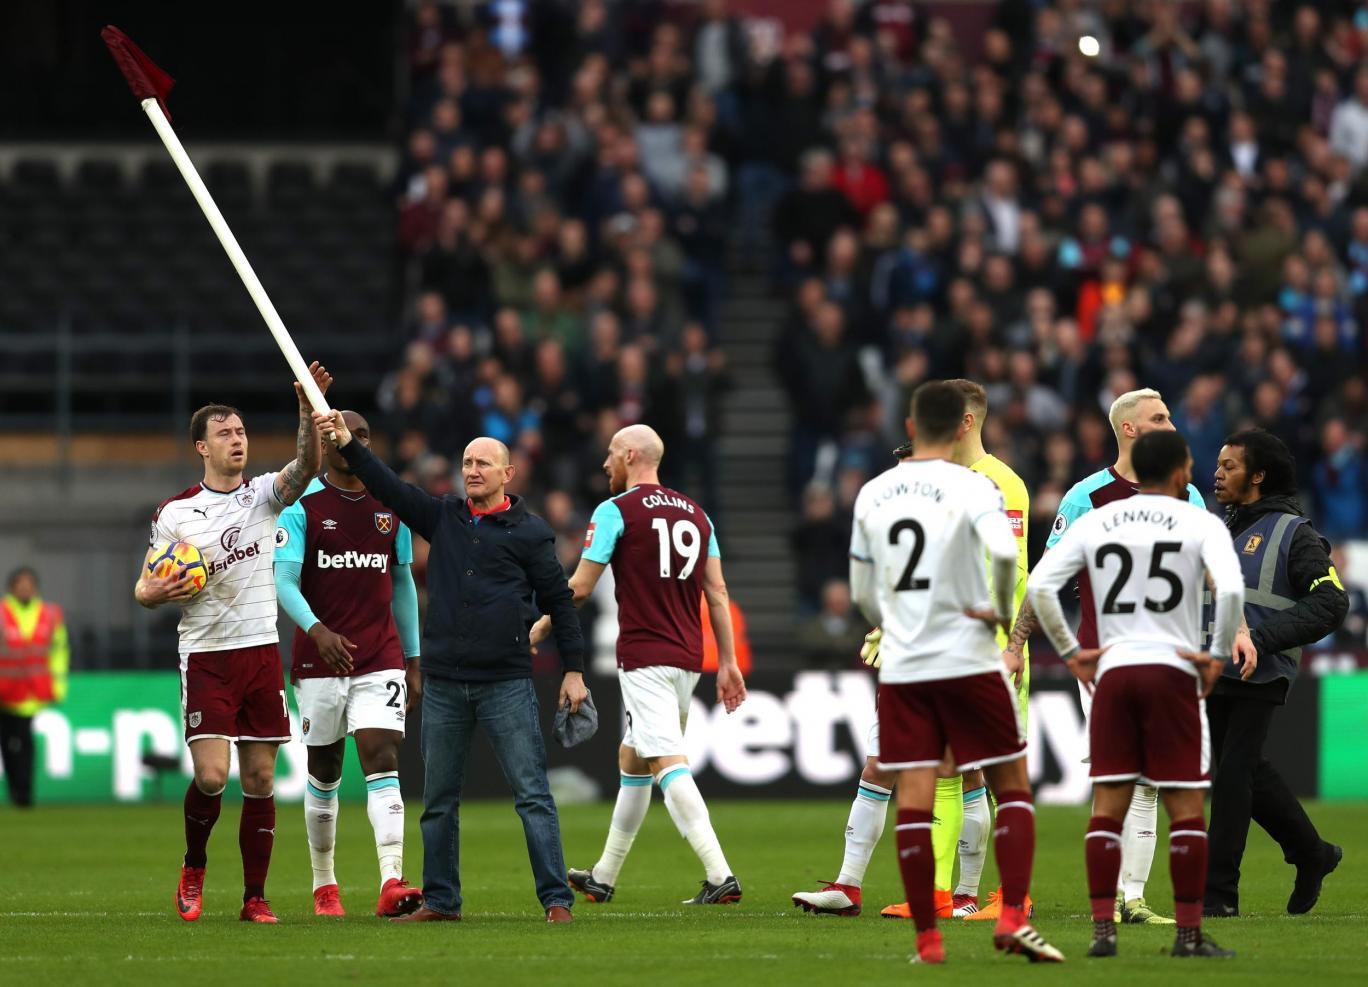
x,y
743,648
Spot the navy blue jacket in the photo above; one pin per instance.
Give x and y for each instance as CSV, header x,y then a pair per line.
x,y
487,579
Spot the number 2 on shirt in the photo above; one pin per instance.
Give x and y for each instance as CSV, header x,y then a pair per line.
x,y
687,540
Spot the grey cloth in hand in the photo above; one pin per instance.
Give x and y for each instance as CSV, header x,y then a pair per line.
x,y
570,730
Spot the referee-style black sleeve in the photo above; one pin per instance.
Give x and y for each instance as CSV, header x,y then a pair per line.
x,y
1321,605
555,598
415,506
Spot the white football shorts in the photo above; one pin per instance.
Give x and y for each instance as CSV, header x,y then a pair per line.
x,y
337,706
656,700
872,742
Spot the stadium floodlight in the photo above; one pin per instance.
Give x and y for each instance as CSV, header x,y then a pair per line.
x,y
150,84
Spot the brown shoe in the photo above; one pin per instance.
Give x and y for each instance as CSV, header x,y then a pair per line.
x,y
426,914
559,913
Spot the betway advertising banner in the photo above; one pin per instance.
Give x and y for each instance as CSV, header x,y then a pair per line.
x,y
799,735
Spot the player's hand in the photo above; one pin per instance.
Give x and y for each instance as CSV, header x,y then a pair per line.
x,y
1014,663
990,619
731,687
332,427
1084,664
321,377
153,591
572,691
1245,655
413,683
869,652
334,649
1208,668
540,631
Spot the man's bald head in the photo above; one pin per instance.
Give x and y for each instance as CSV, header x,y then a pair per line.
x,y
644,441
489,449
355,422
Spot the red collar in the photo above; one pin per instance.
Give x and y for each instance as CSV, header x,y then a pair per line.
x,y
476,512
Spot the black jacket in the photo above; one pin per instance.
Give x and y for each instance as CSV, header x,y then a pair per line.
x,y
486,580
1318,611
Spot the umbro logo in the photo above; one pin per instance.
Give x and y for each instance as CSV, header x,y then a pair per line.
x,y
329,525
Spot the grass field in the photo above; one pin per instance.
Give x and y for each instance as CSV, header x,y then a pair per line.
x,y
86,898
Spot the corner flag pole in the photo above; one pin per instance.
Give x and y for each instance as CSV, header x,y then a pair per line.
x,y
151,85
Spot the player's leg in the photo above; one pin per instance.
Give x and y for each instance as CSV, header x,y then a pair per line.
x,y
1102,857
599,882
985,730
1187,868
322,723
947,818
509,715
207,713
320,822
263,721
375,719
973,842
1139,839
662,712
864,828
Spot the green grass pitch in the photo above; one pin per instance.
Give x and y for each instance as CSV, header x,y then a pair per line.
x,y
86,898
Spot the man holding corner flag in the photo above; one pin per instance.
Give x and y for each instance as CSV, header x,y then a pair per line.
x,y
492,566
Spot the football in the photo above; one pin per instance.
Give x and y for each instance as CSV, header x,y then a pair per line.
x,y
169,558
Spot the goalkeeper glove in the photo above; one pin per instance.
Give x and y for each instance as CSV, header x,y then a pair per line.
x,y
869,653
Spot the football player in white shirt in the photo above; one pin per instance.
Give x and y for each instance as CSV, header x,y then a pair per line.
x,y
1146,556
942,684
232,688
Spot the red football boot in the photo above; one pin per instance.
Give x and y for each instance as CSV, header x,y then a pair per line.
x,y
930,947
398,898
327,901
190,893
257,910
1013,934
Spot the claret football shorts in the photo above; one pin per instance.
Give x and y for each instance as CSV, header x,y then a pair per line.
x,y
977,717
1149,725
237,694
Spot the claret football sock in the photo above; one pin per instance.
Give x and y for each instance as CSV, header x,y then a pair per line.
x,y
947,816
690,814
256,837
1188,867
863,830
320,824
385,807
1014,845
1139,837
201,812
917,865
1102,852
633,801
973,842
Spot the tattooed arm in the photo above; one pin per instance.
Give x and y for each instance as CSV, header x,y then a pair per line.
x,y
1021,630
291,481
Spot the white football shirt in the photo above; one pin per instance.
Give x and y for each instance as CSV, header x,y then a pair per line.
x,y
1145,557
924,527
235,532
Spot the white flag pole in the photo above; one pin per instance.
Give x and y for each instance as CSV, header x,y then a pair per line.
x,y
230,245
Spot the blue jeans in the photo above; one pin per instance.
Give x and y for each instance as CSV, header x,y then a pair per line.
x,y
508,712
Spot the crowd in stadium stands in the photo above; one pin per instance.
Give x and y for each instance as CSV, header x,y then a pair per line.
x,y
1188,210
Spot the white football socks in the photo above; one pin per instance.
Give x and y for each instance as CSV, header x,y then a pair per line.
x,y
320,823
1139,837
634,798
973,841
863,830
385,807
690,815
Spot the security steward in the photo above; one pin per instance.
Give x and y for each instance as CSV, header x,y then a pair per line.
x,y
34,656
1293,598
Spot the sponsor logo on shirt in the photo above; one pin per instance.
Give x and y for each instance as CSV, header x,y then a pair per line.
x,y
588,535
1018,523
229,538
236,555
353,560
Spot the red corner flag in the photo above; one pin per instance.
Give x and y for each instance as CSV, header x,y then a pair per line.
x,y
142,74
